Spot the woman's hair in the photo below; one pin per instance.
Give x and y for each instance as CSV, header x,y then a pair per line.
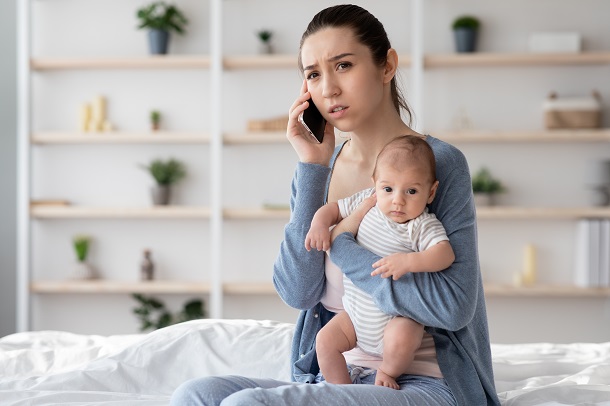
x,y
407,150
368,30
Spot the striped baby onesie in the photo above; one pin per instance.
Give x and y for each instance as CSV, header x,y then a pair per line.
x,y
383,237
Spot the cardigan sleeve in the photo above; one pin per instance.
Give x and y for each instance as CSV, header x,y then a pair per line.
x,y
298,275
445,299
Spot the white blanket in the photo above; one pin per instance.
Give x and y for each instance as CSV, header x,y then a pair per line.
x,y
44,368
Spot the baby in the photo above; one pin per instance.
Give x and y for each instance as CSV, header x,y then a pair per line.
x,y
400,229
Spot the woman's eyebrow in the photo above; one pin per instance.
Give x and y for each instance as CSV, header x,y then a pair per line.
x,y
331,59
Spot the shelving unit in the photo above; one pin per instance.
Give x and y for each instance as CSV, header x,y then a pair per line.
x,y
223,143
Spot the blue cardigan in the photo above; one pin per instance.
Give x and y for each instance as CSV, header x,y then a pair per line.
x,y
450,303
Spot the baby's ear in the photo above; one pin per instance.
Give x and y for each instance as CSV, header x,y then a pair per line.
x,y
433,191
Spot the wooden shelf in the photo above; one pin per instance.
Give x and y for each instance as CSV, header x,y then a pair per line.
x,y
541,213
249,288
492,290
119,137
86,212
144,62
106,286
267,288
520,136
256,213
481,59
256,137
279,61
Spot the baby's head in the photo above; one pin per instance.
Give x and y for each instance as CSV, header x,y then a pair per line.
x,y
405,178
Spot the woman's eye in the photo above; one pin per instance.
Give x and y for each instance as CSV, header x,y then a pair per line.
x,y
312,75
411,191
387,189
343,65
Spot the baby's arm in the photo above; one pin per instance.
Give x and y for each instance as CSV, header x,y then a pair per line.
x,y
318,236
433,259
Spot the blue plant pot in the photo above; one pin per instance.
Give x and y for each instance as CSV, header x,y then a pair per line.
x,y
465,39
158,41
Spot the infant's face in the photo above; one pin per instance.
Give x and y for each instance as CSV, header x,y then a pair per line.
x,y
403,194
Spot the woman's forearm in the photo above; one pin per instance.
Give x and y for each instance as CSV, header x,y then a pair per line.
x,y
298,275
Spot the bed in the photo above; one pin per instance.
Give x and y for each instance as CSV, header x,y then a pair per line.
x,y
52,367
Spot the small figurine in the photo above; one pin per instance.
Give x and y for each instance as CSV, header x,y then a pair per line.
x,y
147,267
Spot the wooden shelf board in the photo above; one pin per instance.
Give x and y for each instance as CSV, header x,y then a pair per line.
x,y
106,286
544,291
541,213
144,62
267,288
482,59
86,212
256,137
249,288
256,213
278,61
119,137
521,136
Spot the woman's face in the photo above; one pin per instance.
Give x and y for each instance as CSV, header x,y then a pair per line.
x,y
345,84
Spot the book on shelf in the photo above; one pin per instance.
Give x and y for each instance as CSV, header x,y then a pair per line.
x,y
592,268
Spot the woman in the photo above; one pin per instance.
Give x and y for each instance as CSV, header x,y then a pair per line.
x,y
349,70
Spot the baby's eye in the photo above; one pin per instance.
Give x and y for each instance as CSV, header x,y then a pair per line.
x,y
411,191
387,189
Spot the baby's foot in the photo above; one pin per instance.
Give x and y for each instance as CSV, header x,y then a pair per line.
x,y
383,379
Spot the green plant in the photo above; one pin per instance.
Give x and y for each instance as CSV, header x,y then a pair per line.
x,y
265,35
466,22
483,182
166,172
81,246
162,16
153,314
155,117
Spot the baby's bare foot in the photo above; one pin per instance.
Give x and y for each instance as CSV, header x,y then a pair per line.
x,y
383,379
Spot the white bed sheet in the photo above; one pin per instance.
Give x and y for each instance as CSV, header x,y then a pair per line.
x,y
52,368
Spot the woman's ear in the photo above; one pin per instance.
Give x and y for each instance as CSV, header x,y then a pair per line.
x,y
390,66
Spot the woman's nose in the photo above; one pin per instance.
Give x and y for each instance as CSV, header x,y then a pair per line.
x,y
330,87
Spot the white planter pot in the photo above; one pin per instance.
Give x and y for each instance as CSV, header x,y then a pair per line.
x,y
483,199
83,270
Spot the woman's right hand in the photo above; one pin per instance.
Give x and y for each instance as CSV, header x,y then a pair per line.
x,y
306,147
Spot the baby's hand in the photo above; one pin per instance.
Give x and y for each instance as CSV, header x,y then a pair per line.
x,y
395,265
318,238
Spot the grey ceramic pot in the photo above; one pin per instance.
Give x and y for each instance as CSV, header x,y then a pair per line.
x,y
158,41
465,39
161,195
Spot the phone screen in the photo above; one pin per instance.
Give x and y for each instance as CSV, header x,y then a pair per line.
x,y
313,121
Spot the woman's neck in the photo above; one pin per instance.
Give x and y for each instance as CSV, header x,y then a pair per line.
x,y
366,143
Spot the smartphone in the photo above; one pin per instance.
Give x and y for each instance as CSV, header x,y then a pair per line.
x,y
313,121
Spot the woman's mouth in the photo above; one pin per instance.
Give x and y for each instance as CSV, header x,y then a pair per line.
x,y
337,111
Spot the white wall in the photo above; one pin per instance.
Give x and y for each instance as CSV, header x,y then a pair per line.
x,y
494,98
8,149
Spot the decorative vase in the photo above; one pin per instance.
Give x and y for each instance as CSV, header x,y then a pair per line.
x,y
84,270
265,48
465,39
161,195
158,41
147,267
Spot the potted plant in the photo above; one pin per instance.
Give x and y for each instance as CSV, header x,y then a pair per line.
x,y
155,120
485,187
165,174
465,30
83,269
161,18
153,314
265,41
